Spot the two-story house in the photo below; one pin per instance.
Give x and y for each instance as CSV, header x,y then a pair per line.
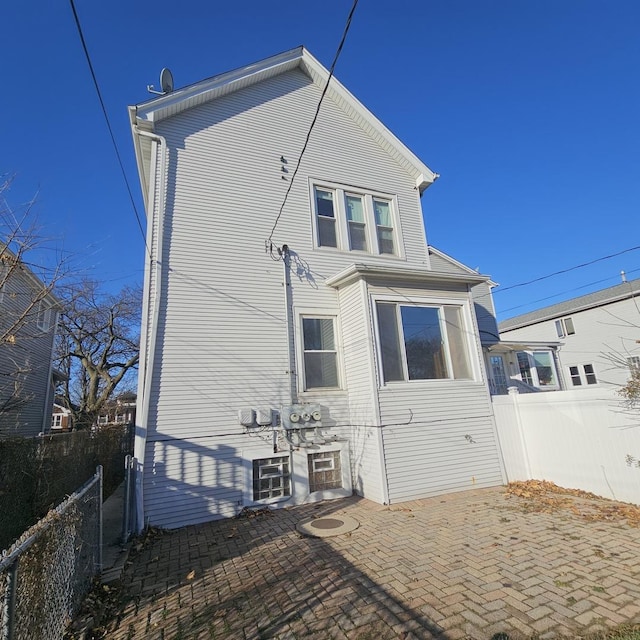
x,y
598,337
28,319
299,339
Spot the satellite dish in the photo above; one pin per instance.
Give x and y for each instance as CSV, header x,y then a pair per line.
x,y
166,81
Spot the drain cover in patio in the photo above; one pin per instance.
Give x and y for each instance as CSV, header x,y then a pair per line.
x,y
327,527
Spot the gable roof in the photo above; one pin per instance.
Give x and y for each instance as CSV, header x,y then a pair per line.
x,y
596,299
145,115
458,266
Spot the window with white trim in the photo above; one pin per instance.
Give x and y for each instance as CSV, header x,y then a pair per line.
x,y
325,471
633,363
422,342
355,220
564,327
42,319
56,421
271,478
319,353
4,273
537,369
582,374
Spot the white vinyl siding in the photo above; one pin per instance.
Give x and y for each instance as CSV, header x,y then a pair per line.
x,y
426,447
25,362
604,337
221,331
365,436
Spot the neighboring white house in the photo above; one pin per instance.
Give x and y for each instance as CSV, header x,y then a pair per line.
x,y
598,337
28,320
296,353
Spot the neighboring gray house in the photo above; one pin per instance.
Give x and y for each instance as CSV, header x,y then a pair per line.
x,y
28,319
298,353
597,337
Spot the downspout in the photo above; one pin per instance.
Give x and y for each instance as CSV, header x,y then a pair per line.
x,y
288,302
288,315
150,314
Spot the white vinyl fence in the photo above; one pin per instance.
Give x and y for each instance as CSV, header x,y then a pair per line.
x,y
582,439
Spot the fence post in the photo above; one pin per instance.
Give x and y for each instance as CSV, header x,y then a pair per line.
x,y
9,604
514,393
99,473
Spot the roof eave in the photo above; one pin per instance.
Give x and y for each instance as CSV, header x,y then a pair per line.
x,y
358,271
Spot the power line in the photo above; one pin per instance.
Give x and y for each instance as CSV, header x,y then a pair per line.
x,y
106,118
578,266
562,293
313,122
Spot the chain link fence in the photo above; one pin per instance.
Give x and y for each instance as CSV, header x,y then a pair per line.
x,y
38,473
46,573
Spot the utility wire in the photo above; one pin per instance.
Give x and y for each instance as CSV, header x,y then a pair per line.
x,y
562,293
106,118
313,122
578,266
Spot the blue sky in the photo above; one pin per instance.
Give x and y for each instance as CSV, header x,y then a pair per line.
x,y
529,111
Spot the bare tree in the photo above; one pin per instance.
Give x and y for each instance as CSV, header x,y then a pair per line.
x,y
30,269
97,350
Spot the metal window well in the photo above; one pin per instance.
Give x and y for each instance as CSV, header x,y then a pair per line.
x,y
327,527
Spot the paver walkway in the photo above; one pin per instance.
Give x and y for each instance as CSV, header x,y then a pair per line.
x,y
466,565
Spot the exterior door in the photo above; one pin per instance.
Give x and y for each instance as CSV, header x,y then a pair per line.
x,y
498,381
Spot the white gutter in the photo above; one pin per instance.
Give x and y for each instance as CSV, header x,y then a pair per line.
x,y
150,310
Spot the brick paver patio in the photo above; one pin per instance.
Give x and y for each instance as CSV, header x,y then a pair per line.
x,y
466,565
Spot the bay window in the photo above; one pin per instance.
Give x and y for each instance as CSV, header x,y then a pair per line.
x,y
422,342
537,369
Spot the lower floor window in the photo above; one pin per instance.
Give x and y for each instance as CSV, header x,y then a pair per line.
x,y
324,471
320,353
581,374
537,369
271,478
422,342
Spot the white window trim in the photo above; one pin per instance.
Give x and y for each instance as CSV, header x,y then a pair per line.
x,y
561,327
43,316
582,374
472,352
633,362
342,225
299,314
248,456
534,370
4,272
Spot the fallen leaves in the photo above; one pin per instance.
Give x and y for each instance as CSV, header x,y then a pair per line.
x,y
545,496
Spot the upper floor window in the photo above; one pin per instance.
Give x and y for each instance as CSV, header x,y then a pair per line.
x,y
353,220
42,319
422,342
4,274
319,353
565,327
